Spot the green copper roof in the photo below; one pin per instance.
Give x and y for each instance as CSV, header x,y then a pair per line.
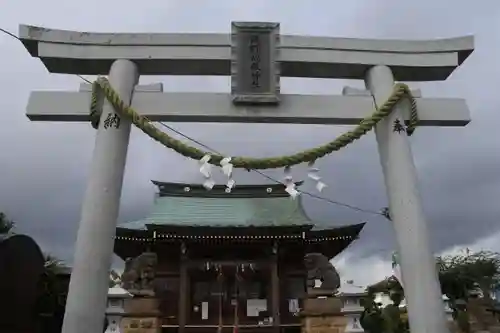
x,y
223,212
191,205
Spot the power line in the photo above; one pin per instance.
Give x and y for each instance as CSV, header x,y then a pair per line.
x,y
338,203
10,34
84,79
271,178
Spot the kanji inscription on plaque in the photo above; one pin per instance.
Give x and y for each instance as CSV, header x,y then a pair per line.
x,y
255,72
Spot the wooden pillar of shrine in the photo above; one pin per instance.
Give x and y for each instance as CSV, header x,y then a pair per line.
x,y
275,290
183,288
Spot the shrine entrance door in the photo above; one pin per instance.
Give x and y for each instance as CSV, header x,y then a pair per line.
x,y
229,296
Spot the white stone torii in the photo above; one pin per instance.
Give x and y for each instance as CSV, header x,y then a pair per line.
x,y
378,62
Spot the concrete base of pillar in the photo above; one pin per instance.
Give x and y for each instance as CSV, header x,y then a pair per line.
x,y
323,315
142,315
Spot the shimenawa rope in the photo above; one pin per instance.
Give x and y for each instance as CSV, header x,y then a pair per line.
x,y
101,89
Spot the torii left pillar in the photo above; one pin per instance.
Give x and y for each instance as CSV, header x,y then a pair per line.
x,y
86,302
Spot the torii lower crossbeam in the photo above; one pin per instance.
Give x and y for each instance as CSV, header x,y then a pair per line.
x,y
205,107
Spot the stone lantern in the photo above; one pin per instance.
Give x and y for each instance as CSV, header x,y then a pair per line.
x,y
351,296
116,308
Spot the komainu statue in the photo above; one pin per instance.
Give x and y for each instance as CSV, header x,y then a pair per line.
x,y
319,268
139,274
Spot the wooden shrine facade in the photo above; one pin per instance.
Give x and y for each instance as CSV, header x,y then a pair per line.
x,y
213,279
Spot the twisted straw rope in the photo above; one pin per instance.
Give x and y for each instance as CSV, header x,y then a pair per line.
x,y
101,88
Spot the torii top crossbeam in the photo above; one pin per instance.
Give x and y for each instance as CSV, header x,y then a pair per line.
x,y
73,52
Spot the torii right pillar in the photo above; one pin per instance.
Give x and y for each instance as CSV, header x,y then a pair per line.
x,y
418,265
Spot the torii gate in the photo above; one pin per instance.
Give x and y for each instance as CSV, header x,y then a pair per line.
x,y
126,56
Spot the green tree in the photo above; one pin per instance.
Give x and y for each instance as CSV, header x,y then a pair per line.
x,y
388,319
484,268
114,279
371,318
52,294
459,276
50,290
6,225
462,274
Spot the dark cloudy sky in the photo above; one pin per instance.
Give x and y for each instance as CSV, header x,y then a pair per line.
x,y
43,166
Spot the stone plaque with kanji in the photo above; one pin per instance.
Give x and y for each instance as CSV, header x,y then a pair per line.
x,y
255,72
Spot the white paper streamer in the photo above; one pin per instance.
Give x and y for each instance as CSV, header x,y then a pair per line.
x,y
313,175
227,166
209,184
230,184
290,187
205,170
227,170
205,167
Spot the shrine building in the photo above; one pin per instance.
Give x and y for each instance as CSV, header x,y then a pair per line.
x,y
230,262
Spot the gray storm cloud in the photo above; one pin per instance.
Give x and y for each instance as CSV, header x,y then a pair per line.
x,y
43,167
